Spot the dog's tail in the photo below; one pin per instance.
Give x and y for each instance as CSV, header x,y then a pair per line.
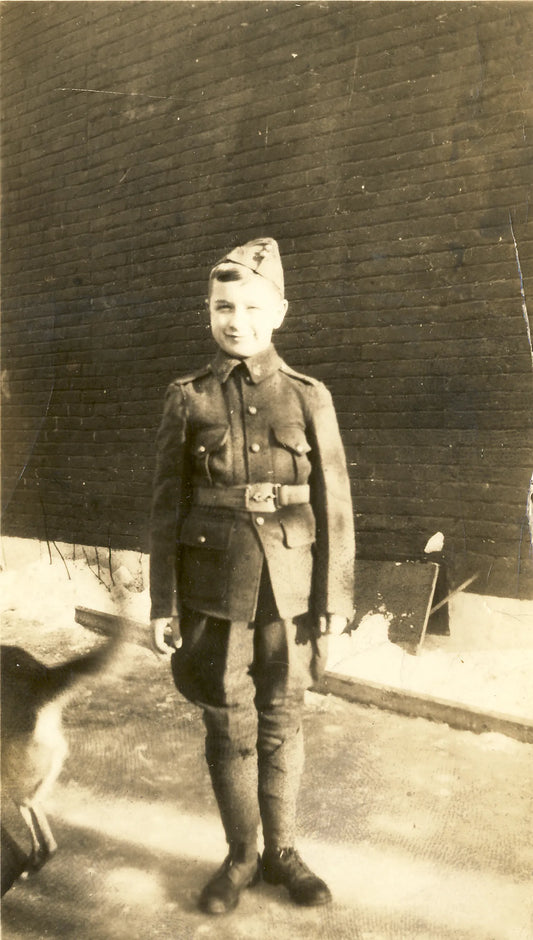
x,y
66,676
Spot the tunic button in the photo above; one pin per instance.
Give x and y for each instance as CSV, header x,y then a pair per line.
x,y
255,448
259,521
201,449
252,410
201,539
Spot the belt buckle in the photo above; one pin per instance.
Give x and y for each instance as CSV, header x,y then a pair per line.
x,y
261,497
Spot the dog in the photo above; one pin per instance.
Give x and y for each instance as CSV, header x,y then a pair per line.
x,y
34,747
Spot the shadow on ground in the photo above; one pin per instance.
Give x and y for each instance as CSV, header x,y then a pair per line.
x,y
420,830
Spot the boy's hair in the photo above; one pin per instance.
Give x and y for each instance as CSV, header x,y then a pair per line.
x,y
228,272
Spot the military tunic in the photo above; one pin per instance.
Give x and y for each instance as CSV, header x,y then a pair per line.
x,y
235,424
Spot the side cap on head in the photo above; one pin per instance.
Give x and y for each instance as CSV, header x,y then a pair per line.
x,y
260,256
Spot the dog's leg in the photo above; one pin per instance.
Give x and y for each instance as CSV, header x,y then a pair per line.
x,y
43,844
52,750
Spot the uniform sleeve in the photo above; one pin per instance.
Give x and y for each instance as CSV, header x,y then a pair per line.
x,y
170,493
332,505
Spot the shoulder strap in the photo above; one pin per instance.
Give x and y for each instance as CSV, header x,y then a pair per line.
x,y
306,379
192,376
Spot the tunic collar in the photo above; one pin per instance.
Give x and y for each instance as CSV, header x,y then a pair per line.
x,y
259,367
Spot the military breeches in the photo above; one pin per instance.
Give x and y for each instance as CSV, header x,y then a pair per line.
x,y
249,680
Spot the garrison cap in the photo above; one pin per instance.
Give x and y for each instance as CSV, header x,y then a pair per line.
x,y
260,256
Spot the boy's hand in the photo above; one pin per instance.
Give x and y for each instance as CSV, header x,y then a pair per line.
x,y
166,634
334,624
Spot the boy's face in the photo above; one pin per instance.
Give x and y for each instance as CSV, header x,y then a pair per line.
x,y
244,314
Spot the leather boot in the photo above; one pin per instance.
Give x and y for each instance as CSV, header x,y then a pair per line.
x,y
285,867
240,869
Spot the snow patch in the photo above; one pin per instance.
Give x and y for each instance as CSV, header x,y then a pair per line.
x,y
485,663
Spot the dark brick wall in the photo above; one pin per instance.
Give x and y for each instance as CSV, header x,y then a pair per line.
x,y
385,145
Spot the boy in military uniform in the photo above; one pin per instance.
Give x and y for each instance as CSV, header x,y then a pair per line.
x,y
252,551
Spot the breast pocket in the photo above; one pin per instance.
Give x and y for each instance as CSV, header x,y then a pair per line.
x,y
290,454
209,450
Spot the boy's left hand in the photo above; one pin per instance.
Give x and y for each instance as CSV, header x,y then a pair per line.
x,y
334,624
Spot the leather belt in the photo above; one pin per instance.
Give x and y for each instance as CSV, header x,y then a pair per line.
x,y
254,497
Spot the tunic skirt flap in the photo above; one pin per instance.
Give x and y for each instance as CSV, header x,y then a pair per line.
x,y
299,527
206,531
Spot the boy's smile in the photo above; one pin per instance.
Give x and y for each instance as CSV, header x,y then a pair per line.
x,y
244,314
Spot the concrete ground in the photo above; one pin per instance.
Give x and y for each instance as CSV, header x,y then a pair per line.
x,y
421,831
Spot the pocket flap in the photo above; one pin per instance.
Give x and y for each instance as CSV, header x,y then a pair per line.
x,y
210,439
206,532
299,527
292,436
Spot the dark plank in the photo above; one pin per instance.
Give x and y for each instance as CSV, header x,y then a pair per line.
x,y
402,591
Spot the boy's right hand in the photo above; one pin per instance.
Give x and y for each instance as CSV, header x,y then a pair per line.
x,y
166,635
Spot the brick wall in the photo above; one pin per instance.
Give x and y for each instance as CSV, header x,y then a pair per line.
x,y
387,146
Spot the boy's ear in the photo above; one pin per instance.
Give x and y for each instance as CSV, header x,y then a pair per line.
x,y
282,310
